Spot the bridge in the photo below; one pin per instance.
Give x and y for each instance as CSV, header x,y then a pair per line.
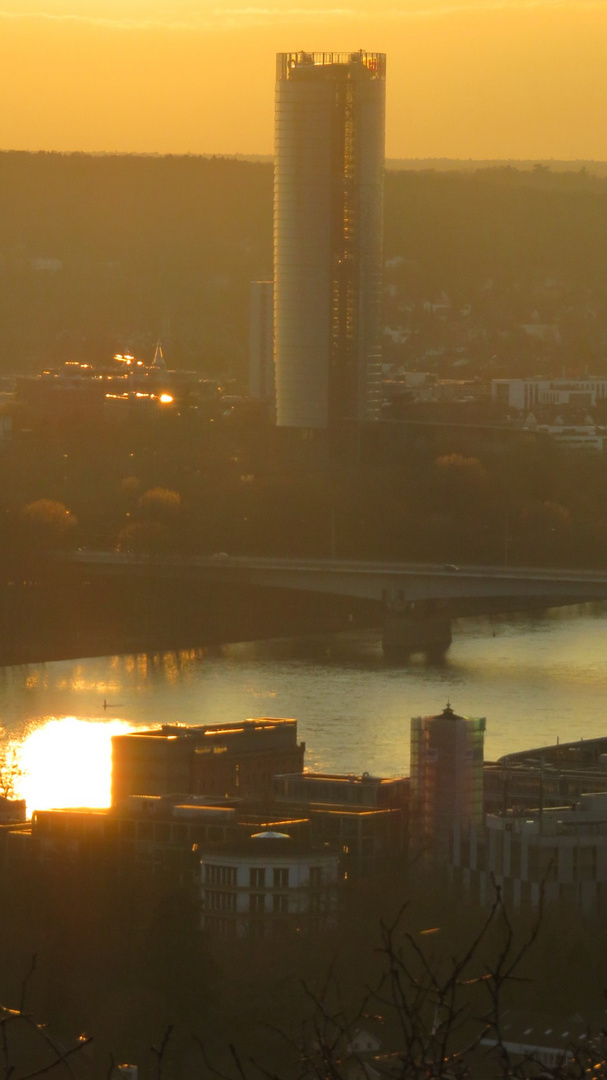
x,y
418,601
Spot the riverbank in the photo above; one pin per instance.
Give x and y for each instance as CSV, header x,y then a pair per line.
x,y
59,618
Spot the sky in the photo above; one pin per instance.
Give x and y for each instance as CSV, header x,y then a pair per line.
x,y
479,79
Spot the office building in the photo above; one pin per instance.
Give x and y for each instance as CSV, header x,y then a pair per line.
x,y
535,393
218,760
162,835
328,209
446,776
267,883
552,855
364,817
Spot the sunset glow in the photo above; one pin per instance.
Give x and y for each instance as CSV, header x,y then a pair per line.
x,y
467,78
67,762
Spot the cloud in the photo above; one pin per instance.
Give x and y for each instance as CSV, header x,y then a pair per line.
x,y
183,16
125,23
291,13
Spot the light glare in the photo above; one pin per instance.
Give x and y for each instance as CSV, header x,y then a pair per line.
x,y
67,763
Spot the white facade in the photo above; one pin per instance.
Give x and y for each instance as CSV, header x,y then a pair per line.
x,y
559,854
526,394
581,437
266,883
328,212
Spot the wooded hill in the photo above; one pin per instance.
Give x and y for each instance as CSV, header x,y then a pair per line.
x,y
100,254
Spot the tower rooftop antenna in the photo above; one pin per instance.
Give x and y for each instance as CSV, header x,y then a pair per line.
x,y
158,361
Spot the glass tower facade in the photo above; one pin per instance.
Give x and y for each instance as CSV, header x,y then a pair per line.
x,y
328,221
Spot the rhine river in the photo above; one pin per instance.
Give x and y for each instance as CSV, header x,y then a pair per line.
x,y
535,679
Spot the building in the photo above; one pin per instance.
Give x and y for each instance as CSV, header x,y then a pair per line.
x,y
589,755
178,789
446,776
210,760
328,209
123,388
523,786
160,835
589,437
364,817
11,810
536,1039
525,395
557,854
342,789
261,342
267,883
160,832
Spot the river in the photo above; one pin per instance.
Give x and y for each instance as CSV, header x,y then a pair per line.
x,y
536,679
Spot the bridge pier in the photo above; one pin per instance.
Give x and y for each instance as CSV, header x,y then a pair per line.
x,y
409,627
403,635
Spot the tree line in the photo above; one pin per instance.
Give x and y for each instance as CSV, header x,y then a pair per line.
x,y
103,253
222,487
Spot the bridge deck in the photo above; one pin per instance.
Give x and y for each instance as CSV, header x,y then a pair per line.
x,y
462,590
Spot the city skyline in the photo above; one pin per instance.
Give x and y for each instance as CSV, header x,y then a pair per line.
x,y
474,79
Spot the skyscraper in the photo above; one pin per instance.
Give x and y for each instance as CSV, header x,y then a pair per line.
x,y
328,211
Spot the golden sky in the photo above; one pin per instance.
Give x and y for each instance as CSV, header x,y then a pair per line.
x,y
466,78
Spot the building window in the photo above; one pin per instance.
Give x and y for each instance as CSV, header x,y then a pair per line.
x,y
257,878
280,904
281,878
316,874
220,875
221,901
257,902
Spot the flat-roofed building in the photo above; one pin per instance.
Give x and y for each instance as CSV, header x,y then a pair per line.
x,y
344,788
211,760
159,834
532,393
268,883
364,817
555,855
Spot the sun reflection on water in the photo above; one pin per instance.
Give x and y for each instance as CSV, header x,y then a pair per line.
x,y
67,762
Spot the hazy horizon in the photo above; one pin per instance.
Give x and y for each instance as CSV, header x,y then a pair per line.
x,y
467,79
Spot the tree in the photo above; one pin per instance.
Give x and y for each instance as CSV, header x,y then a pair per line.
x,y
47,523
10,767
30,1050
130,486
160,504
143,536
430,1016
461,481
158,528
